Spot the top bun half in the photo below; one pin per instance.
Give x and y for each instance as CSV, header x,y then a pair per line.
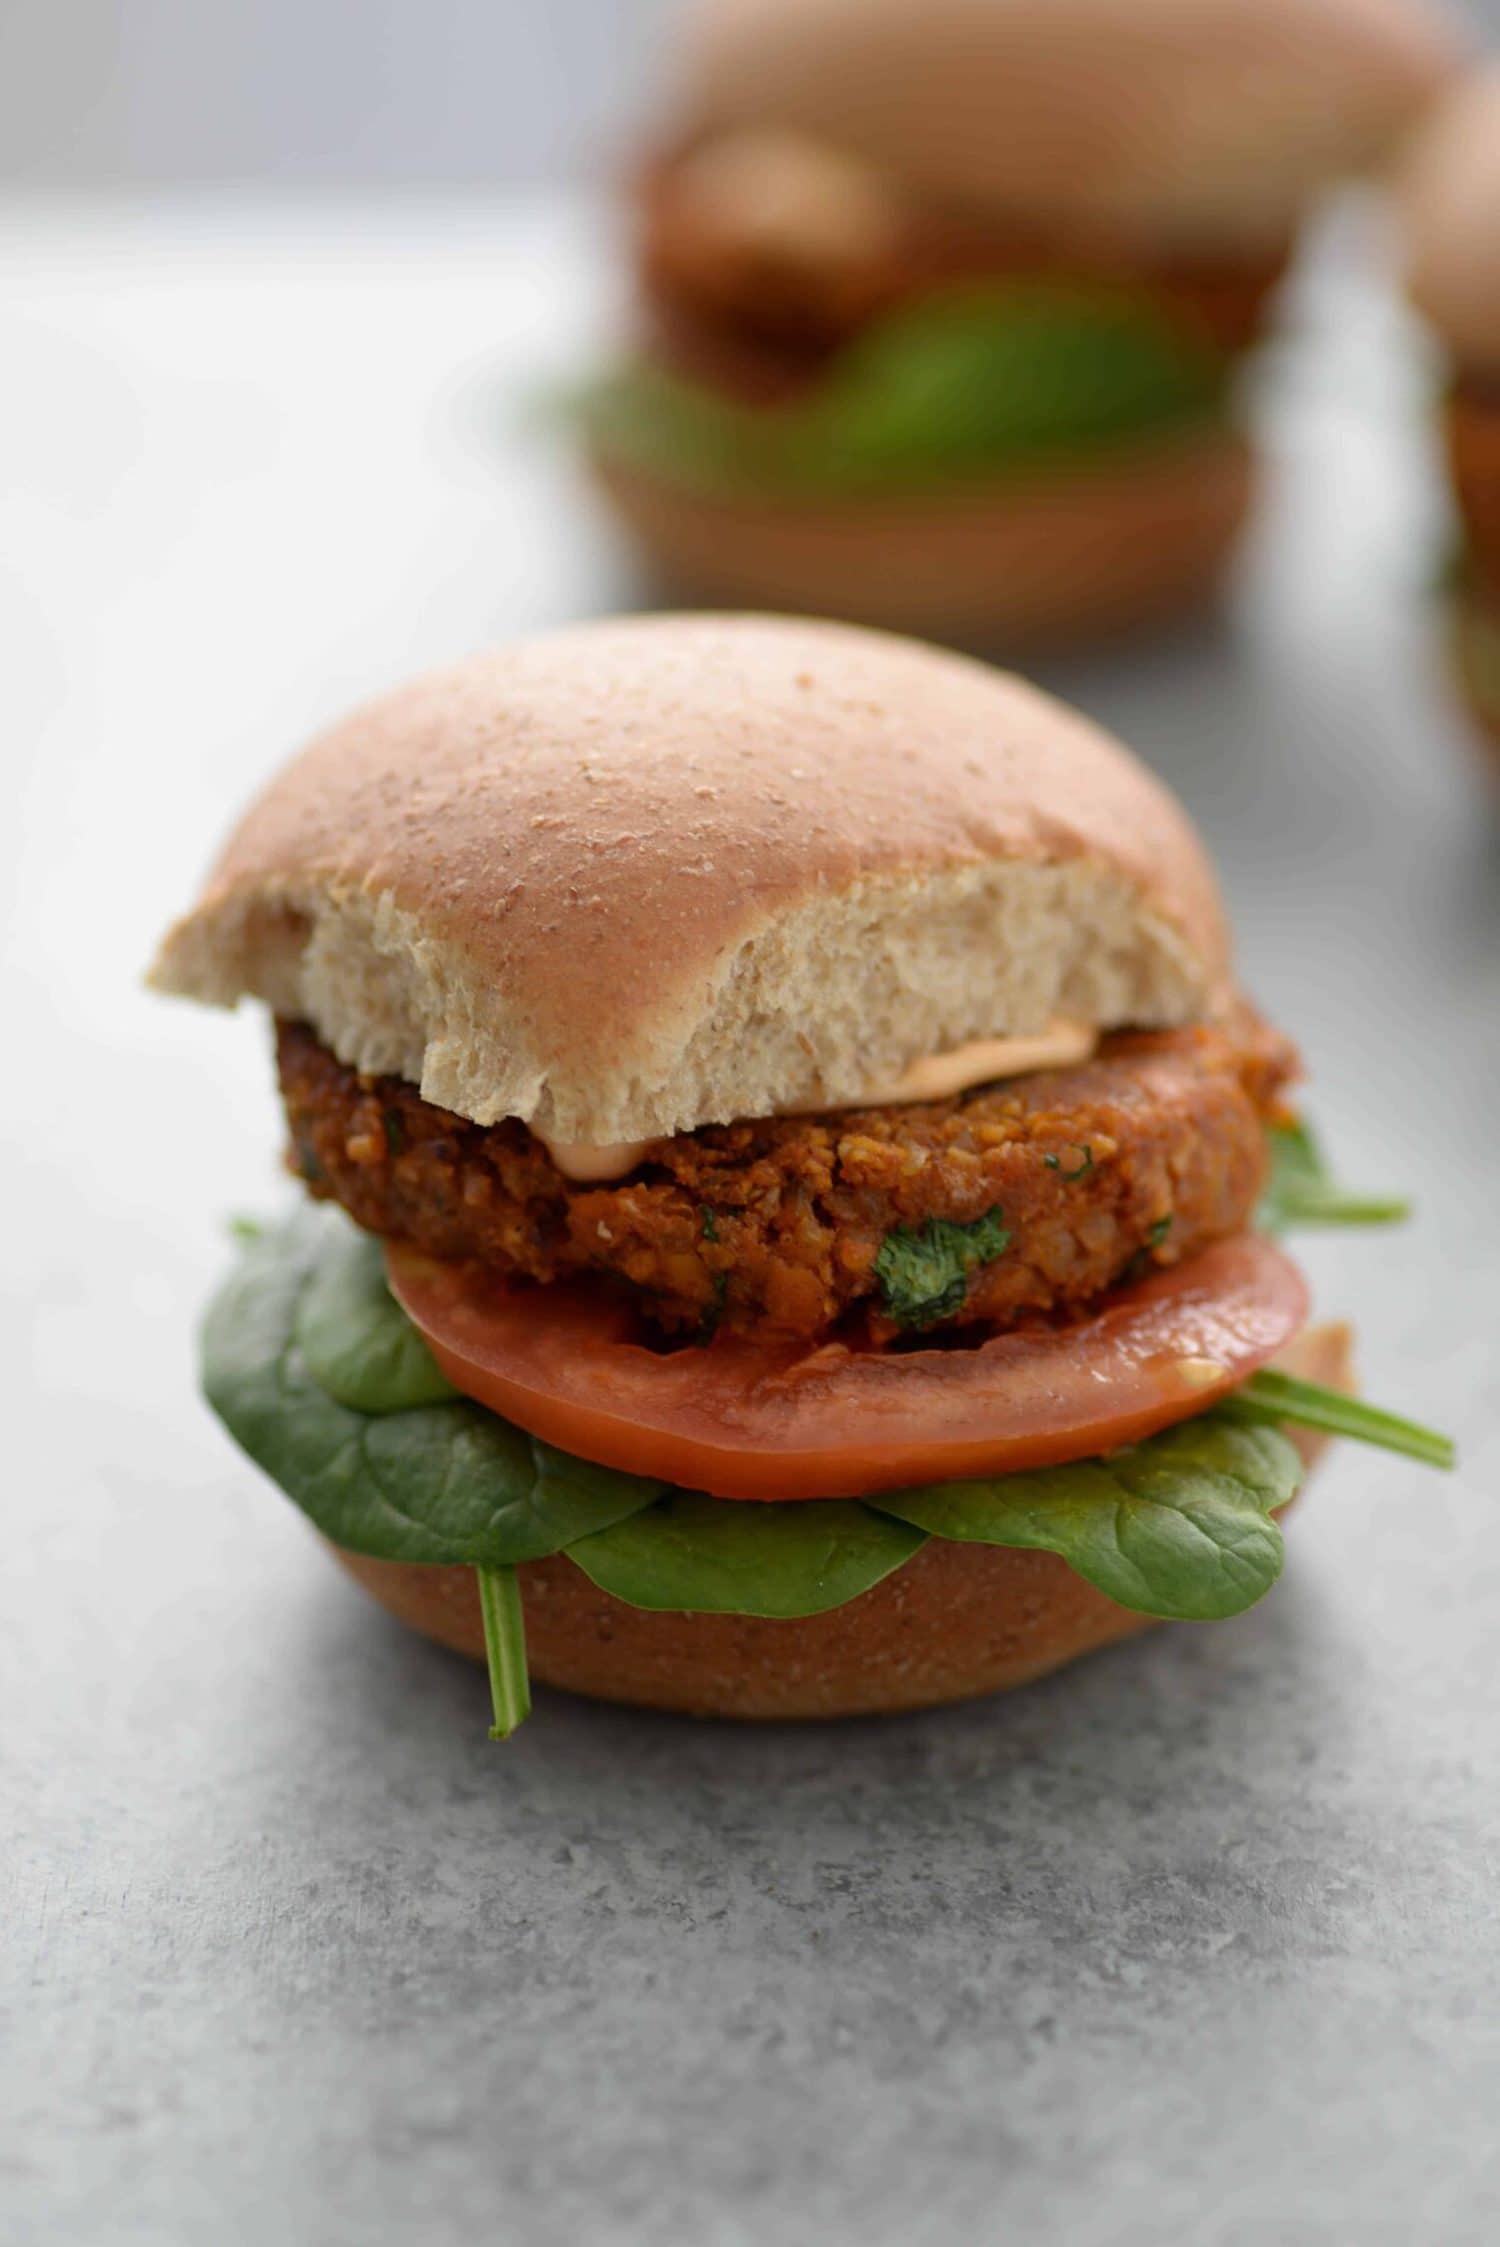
x,y
637,876
1193,121
1451,212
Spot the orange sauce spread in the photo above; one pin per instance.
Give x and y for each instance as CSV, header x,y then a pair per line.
x,y
936,1076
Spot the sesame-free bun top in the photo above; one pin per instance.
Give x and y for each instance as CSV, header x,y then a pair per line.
x,y
1192,120
1451,213
641,875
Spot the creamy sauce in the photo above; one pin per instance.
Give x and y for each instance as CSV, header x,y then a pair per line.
x,y
936,1076
591,1166
1200,1373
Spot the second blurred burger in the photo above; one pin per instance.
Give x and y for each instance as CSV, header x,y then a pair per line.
x,y
1452,215
942,305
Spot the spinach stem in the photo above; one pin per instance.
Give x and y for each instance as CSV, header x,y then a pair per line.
x,y
1326,1205
1269,1396
505,1648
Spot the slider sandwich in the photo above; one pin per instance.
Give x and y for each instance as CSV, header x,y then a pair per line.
x,y
792,1187
1451,208
943,309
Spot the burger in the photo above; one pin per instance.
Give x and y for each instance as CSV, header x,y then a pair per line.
x,y
943,308
1451,204
795,1177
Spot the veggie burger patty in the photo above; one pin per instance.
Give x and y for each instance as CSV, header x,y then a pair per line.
x,y
765,321
1017,1199
1474,449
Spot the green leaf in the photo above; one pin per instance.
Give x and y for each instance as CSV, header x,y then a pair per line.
x,y
1178,1526
1079,1169
924,1274
1270,1397
1301,1190
1181,1525
443,1482
356,1340
1476,636
969,377
987,381
718,1556
504,1649
1452,571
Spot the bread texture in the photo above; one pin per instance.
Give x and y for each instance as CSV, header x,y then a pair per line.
x,y
633,877
1110,544
957,1621
1450,205
1186,120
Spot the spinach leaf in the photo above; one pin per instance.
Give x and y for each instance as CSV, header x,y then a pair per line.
x,y
1270,1398
445,1482
924,1274
1301,1189
504,1649
356,1340
981,376
1178,1526
970,382
719,1556
1476,640
1080,1169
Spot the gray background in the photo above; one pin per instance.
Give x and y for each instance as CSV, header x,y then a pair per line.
x,y
1198,1939
320,92
330,92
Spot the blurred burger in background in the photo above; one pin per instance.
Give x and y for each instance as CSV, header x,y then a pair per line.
x,y
941,308
1452,214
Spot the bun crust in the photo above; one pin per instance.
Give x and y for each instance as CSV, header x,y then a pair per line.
x,y
637,876
957,1621
1451,215
1198,119
1112,548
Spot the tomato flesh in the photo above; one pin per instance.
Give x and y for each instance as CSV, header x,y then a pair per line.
x,y
746,1419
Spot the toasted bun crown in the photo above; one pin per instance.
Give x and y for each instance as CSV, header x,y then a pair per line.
x,y
1178,118
1451,207
638,876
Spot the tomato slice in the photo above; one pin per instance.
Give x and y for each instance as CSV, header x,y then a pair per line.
x,y
744,1419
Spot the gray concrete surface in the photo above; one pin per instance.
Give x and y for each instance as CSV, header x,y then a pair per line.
x,y
1197,1941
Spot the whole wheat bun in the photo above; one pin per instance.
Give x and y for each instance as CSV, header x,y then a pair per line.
x,y
637,876
1184,120
954,1622
1123,542
1450,205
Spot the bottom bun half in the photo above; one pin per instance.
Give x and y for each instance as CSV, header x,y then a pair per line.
x,y
1099,550
955,1622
